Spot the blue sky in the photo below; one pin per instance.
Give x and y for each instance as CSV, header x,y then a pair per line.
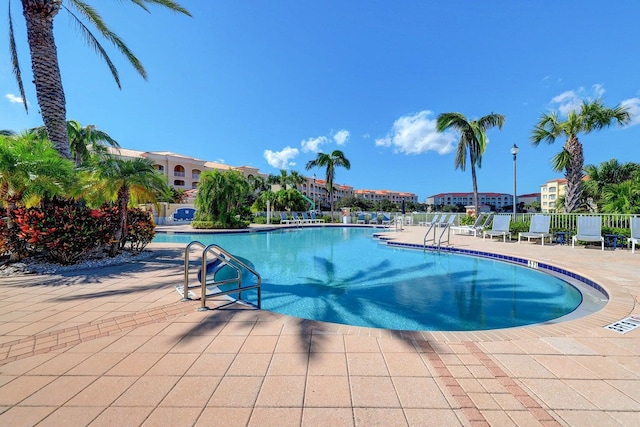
x,y
270,83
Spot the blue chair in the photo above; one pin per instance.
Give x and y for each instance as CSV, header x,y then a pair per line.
x,y
183,214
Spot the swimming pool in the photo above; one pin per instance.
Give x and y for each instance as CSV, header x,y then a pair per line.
x,y
343,275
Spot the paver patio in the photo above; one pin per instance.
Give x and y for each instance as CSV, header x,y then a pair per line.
x,y
115,346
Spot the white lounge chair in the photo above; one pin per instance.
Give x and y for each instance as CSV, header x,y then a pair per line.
x,y
481,221
635,233
499,227
360,219
589,230
538,229
435,219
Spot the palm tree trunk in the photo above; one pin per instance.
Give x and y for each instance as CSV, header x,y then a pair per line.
x,y
39,16
574,174
120,234
475,189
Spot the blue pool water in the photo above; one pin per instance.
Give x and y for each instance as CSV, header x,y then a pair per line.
x,y
343,275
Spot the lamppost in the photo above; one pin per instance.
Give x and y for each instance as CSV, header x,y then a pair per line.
x,y
314,192
514,151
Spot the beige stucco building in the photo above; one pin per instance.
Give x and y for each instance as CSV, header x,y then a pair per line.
x,y
550,192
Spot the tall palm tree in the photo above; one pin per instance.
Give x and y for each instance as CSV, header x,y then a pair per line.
x,y
39,17
473,139
220,196
592,116
127,182
330,162
296,179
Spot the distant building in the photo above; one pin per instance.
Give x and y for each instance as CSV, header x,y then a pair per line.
x,y
379,195
182,172
527,199
550,192
497,200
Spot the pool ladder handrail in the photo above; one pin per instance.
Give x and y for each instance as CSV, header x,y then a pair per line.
x,y
224,257
446,227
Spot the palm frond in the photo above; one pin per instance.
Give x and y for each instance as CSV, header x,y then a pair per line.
x,y
560,161
169,4
14,61
92,15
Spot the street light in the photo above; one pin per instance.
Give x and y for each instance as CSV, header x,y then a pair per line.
x,y
314,192
514,151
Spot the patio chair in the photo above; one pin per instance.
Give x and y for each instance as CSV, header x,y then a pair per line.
x,y
306,219
374,218
284,219
538,229
386,219
589,230
477,226
315,219
499,227
635,233
434,220
360,219
296,218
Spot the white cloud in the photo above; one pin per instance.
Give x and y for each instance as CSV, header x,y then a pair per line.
x,y
417,134
14,99
571,100
281,159
313,144
633,106
341,137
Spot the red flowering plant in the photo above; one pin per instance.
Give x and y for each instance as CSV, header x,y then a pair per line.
x,y
66,231
140,229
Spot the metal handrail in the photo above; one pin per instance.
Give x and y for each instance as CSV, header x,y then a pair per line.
x,y
226,258
219,251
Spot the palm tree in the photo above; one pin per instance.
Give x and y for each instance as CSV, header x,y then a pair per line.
x,y
622,198
592,116
39,17
330,162
127,182
83,141
30,170
296,179
220,196
473,139
607,173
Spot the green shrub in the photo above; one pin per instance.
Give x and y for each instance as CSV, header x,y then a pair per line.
x,y
259,220
467,220
216,225
518,227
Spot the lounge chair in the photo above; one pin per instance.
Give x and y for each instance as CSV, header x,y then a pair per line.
x,y
499,227
360,219
374,218
434,220
538,229
635,233
284,219
589,230
296,218
306,219
386,219
478,225
315,219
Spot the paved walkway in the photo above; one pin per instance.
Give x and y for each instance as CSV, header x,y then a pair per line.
x,y
116,347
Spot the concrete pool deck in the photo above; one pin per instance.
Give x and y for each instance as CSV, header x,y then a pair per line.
x,y
114,346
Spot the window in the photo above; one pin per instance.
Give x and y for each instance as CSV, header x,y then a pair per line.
x,y
178,183
178,171
195,174
552,196
194,185
159,168
552,189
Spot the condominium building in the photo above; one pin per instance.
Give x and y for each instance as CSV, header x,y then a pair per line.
x,y
182,172
550,192
496,200
379,195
